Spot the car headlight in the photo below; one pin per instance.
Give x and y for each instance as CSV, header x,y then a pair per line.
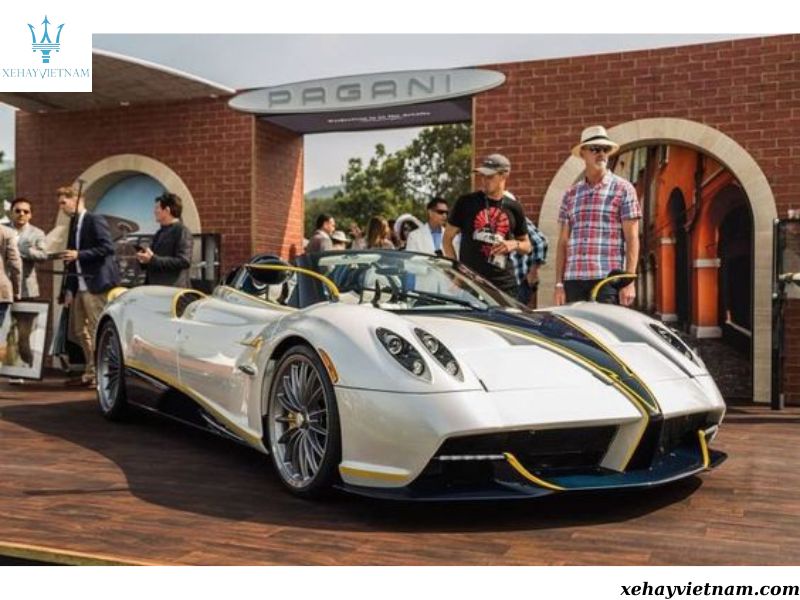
x,y
403,352
440,352
677,343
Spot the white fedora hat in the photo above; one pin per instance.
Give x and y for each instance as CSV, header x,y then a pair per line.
x,y
595,135
340,236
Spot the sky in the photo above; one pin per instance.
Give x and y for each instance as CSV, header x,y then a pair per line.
x,y
273,59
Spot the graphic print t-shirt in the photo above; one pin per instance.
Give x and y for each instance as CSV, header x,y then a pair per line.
x,y
476,212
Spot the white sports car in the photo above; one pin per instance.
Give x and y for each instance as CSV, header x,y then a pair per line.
x,y
402,375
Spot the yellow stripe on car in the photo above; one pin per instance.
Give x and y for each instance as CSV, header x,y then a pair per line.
x,y
328,283
519,468
602,282
174,307
654,405
367,474
704,448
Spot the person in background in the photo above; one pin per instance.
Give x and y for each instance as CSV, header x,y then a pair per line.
x,y
403,227
394,233
91,272
321,240
10,271
599,218
340,240
31,243
379,235
168,259
357,235
526,266
428,238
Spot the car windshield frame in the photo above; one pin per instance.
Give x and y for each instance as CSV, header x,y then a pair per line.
x,y
400,280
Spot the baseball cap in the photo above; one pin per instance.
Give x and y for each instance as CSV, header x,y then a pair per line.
x,y
494,163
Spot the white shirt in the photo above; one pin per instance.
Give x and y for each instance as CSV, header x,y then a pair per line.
x,y
421,240
81,281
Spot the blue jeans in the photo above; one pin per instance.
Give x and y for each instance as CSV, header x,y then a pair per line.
x,y
526,291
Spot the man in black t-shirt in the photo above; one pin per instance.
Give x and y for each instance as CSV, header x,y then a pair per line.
x,y
491,227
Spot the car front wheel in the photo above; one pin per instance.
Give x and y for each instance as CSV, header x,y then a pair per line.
x,y
303,424
110,373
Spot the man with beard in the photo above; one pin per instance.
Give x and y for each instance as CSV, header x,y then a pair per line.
x,y
491,226
599,219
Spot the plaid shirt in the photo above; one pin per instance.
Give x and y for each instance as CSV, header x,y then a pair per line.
x,y
594,214
523,262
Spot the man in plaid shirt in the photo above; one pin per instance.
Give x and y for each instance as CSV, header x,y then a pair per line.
x,y
526,266
599,220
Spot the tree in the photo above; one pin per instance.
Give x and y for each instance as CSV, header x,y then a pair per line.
x,y
6,181
375,189
436,163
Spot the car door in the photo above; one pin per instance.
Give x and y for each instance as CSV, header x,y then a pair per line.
x,y
218,338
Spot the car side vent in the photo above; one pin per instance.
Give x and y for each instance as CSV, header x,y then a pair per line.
x,y
183,299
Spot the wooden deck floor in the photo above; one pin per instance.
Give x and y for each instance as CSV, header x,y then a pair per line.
x,y
75,488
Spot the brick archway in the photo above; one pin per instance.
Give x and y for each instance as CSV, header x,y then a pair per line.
x,y
725,150
105,173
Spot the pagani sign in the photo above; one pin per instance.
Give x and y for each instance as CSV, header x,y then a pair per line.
x,y
367,91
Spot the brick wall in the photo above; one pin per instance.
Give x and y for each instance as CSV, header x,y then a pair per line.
x,y
204,142
277,223
748,89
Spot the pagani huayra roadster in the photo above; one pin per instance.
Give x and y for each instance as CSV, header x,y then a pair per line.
x,y
402,375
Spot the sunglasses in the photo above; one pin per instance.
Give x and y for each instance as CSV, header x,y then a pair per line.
x,y
441,212
598,149
21,211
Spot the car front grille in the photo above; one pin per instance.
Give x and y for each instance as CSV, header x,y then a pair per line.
x,y
572,448
662,436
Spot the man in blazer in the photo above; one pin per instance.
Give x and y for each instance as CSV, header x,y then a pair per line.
x,y
10,270
169,257
31,241
91,272
428,238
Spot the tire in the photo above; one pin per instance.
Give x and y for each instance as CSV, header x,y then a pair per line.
x,y
110,374
302,424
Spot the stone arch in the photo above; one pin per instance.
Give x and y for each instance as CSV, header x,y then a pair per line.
x,y
762,203
103,174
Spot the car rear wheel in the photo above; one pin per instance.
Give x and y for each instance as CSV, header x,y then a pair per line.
x,y
303,424
110,373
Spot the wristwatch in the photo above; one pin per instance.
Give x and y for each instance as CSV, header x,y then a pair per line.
x,y
559,284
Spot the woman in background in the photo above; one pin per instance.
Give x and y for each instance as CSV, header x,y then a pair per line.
x,y
378,234
405,224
